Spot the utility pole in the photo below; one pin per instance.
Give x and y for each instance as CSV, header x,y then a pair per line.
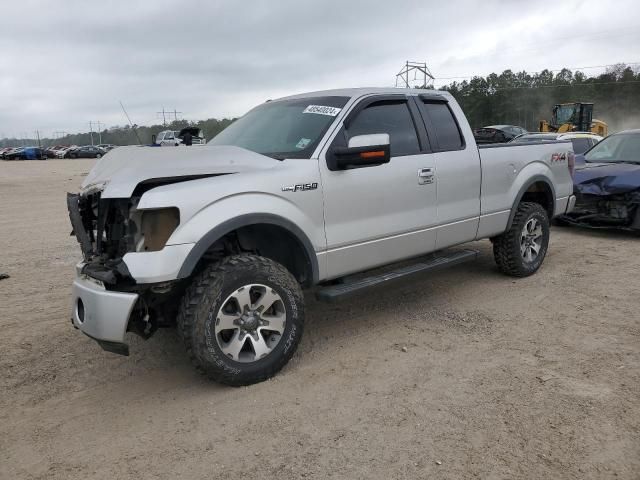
x,y
38,137
98,123
166,113
59,134
164,118
91,131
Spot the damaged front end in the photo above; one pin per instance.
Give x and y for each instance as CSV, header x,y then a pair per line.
x,y
107,300
607,196
105,235
620,211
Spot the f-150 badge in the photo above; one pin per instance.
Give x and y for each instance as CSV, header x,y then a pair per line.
x,y
300,187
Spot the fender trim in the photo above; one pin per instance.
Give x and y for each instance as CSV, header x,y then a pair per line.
x,y
524,188
221,230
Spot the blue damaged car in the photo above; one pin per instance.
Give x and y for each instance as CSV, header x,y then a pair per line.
x,y
607,184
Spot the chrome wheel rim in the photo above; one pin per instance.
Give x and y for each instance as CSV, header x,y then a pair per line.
x,y
250,323
531,240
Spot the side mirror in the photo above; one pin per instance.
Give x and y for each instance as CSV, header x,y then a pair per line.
x,y
579,159
362,151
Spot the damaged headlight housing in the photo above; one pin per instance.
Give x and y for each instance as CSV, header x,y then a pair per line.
x,y
156,226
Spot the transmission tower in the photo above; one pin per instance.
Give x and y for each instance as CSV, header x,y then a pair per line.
x,y
421,74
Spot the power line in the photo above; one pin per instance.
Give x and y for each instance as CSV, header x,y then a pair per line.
x,y
585,84
550,70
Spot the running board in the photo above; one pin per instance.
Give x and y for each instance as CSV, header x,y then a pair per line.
x,y
334,293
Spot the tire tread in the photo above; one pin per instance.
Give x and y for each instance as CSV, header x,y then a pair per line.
x,y
506,256
197,294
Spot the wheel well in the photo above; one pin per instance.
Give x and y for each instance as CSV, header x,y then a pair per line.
x,y
540,192
269,241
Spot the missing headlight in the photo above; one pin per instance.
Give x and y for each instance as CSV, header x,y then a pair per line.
x,y
157,227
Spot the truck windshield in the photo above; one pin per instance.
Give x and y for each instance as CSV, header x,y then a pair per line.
x,y
616,148
284,128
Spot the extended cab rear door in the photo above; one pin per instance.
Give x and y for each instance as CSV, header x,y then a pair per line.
x,y
457,173
379,214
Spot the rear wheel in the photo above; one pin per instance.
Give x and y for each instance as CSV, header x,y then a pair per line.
x,y
242,319
520,251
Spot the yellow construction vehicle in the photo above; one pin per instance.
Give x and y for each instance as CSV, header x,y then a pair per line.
x,y
574,117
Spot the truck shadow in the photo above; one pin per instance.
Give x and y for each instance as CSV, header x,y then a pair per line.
x,y
326,324
600,233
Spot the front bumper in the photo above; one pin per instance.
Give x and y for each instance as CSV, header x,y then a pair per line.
x,y
102,314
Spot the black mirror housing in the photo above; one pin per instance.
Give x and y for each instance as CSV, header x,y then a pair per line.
x,y
347,158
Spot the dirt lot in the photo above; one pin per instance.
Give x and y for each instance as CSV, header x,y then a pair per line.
x,y
502,378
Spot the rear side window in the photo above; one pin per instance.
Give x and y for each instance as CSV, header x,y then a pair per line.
x,y
443,126
580,145
392,118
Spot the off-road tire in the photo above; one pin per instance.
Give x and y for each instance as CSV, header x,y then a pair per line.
x,y
506,247
202,300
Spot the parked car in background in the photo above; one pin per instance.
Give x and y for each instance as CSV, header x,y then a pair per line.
x,y
26,153
174,138
582,141
52,151
88,151
607,184
497,133
5,150
12,154
107,146
63,152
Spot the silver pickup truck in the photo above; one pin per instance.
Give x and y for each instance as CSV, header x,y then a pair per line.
x,y
336,191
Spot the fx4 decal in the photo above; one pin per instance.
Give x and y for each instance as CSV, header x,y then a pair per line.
x,y
558,157
300,187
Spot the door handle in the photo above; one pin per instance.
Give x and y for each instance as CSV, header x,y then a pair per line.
x,y
425,176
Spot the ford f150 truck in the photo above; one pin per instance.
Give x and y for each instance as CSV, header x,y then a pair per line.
x,y
337,191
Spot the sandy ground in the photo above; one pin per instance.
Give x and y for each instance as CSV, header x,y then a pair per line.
x,y
502,378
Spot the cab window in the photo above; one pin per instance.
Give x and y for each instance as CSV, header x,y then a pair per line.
x,y
393,118
443,126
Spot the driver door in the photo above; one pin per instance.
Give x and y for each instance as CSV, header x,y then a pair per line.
x,y
380,214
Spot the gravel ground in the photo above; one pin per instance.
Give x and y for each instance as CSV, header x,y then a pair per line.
x,y
462,374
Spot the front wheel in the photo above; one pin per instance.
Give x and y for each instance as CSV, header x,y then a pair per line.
x,y
241,319
520,251
98,155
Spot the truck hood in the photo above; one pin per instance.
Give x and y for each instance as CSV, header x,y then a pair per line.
x,y
607,178
119,172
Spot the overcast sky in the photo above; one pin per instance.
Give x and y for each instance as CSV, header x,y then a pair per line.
x,y
64,63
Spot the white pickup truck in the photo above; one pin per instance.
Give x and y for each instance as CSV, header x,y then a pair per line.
x,y
317,191
175,138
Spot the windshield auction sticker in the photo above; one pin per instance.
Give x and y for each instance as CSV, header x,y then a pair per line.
x,y
322,110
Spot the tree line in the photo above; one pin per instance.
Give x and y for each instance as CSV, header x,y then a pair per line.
x,y
524,98
519,98
124,135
